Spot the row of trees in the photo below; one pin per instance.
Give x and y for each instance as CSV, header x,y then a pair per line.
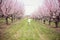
x,y
11,9
54,12
49,11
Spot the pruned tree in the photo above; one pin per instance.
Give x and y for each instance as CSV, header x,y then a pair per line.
x,y
12,9
1,13
53,6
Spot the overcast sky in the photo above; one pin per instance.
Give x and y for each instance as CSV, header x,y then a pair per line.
x,y
31,5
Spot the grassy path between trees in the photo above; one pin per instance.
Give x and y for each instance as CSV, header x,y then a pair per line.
x,y
22,30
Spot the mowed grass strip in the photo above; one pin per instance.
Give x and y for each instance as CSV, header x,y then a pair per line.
x,y
12,30
47,32
21,30
28,32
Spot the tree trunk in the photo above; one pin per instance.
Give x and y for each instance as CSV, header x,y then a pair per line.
x,y
12,18
50,21
44,21
56,24
6,20
57,21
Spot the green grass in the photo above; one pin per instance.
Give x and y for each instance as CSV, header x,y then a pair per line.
x,y
21,30
53,24
49,33
2,20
